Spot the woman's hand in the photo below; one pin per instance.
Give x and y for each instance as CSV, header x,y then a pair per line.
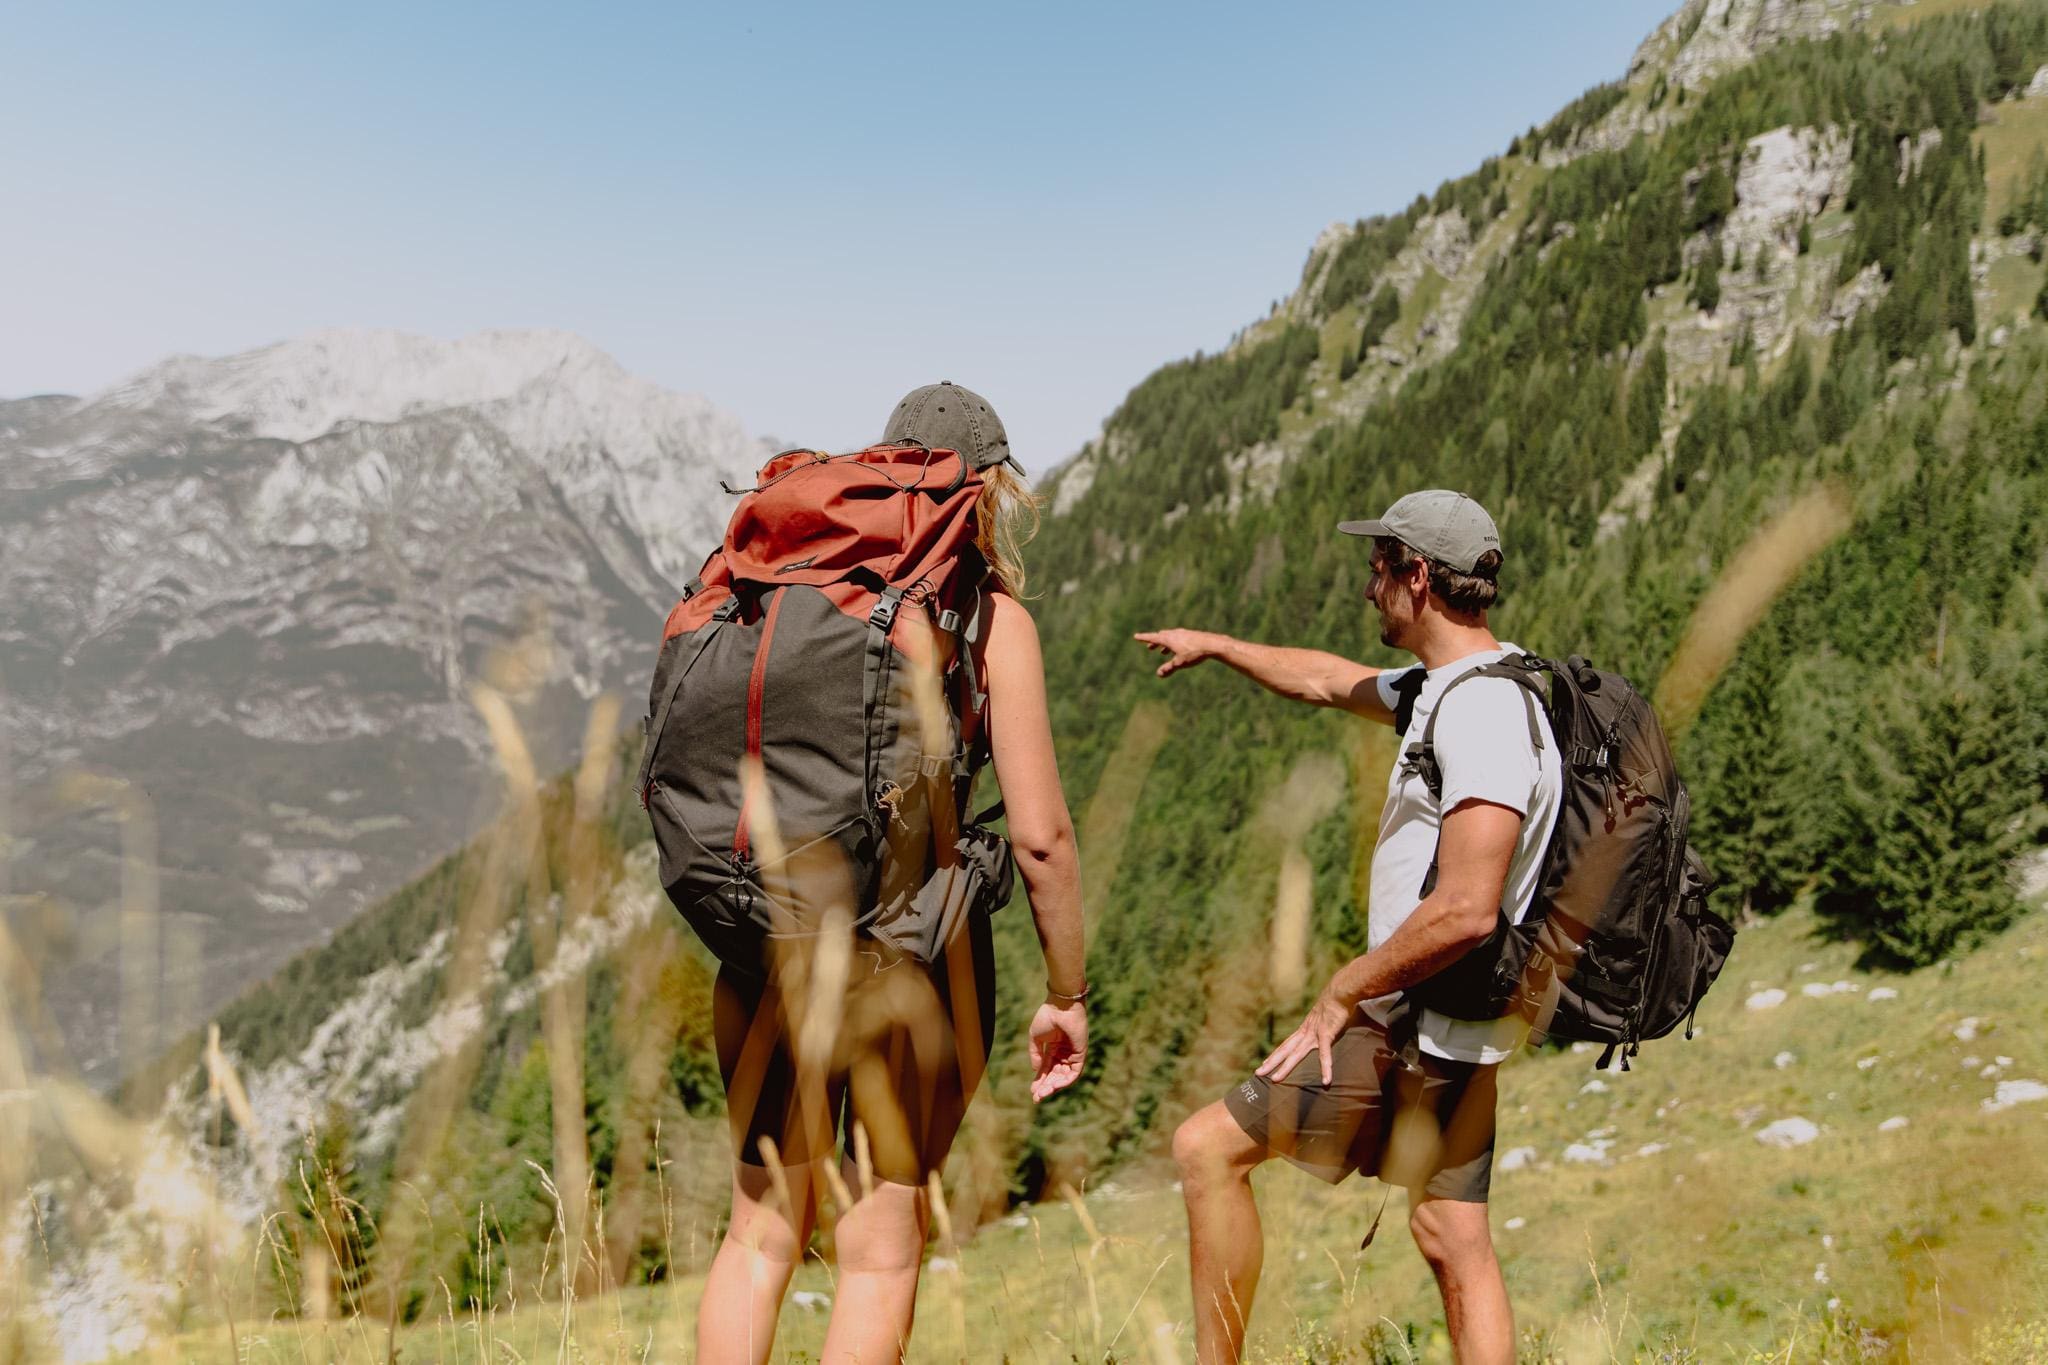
x,y
1059,1047
1327,1018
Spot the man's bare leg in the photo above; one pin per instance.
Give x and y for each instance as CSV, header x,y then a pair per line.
x,y
881,1249
763,1245
1225,1244
1454,1238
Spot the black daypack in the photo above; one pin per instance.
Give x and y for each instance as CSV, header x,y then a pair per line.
x,y
1618,945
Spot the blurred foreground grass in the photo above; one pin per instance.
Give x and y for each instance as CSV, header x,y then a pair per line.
x,y
1639,1215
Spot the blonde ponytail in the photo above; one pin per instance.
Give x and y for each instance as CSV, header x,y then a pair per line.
x,y
1008,517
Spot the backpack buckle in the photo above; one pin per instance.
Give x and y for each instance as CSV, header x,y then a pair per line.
x,y
949,621
930,765
884,614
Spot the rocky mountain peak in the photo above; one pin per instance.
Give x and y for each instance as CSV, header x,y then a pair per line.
x,y
303,388
1705,38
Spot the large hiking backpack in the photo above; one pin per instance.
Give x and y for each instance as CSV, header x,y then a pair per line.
x,y
1619,944
830,640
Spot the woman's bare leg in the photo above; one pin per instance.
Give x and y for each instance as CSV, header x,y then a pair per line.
x,y
763,1245
881,1249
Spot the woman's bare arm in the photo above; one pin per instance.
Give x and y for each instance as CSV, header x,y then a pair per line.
x,y
1042,834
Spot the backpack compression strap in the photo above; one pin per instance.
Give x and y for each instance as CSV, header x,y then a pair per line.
x,y
874,687
726,611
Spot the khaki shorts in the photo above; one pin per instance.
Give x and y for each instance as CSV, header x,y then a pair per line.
x,y
1426,1126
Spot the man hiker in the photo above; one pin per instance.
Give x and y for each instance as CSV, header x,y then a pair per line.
x,y
1365,1062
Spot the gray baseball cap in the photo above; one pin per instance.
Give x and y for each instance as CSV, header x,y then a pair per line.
x,y
1447,527
945,416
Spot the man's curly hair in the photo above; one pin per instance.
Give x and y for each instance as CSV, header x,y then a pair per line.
x,y
1461,592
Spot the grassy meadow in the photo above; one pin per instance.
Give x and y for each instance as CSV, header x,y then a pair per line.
x,y
1647,1215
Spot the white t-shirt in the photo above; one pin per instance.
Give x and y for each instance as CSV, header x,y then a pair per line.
x,y
1483,750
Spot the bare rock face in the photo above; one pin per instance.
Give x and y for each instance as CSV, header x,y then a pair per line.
x,y
1914,150
259,590
1708,37
1855,295
1300,305
1443,241
1787,176
2038,85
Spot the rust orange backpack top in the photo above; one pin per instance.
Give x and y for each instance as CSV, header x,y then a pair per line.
x,y
829,645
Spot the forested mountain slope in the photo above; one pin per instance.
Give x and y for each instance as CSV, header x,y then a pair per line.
x,y
1818,273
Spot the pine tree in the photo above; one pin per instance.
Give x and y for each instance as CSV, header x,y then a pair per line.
x,y
1380,314
1713,199
1706,286
1744,350
1749,788
325,1221
1646,399
1937,796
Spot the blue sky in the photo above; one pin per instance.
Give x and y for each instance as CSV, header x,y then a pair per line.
x,y
798,210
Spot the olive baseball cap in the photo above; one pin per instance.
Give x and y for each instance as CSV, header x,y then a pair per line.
x,y
1447,527
945,416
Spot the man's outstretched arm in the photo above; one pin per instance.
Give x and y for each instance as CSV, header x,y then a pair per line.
x,y
1304,675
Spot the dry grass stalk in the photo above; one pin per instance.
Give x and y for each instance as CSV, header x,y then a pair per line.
x,y
810,979
1240,1004
653,999
16,1113
778,1180
1106,821
562,1003
139,1008
1763,568
1087,1262
224,1085
942,1215
863,1159
511,848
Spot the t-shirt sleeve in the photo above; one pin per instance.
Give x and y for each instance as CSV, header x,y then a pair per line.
x,y
1389,698
1483,748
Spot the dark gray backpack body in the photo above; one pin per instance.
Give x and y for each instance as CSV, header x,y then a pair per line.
x,y
817,716
1619,945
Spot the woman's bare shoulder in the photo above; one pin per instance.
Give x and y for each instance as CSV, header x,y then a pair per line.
x,y
1010,625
